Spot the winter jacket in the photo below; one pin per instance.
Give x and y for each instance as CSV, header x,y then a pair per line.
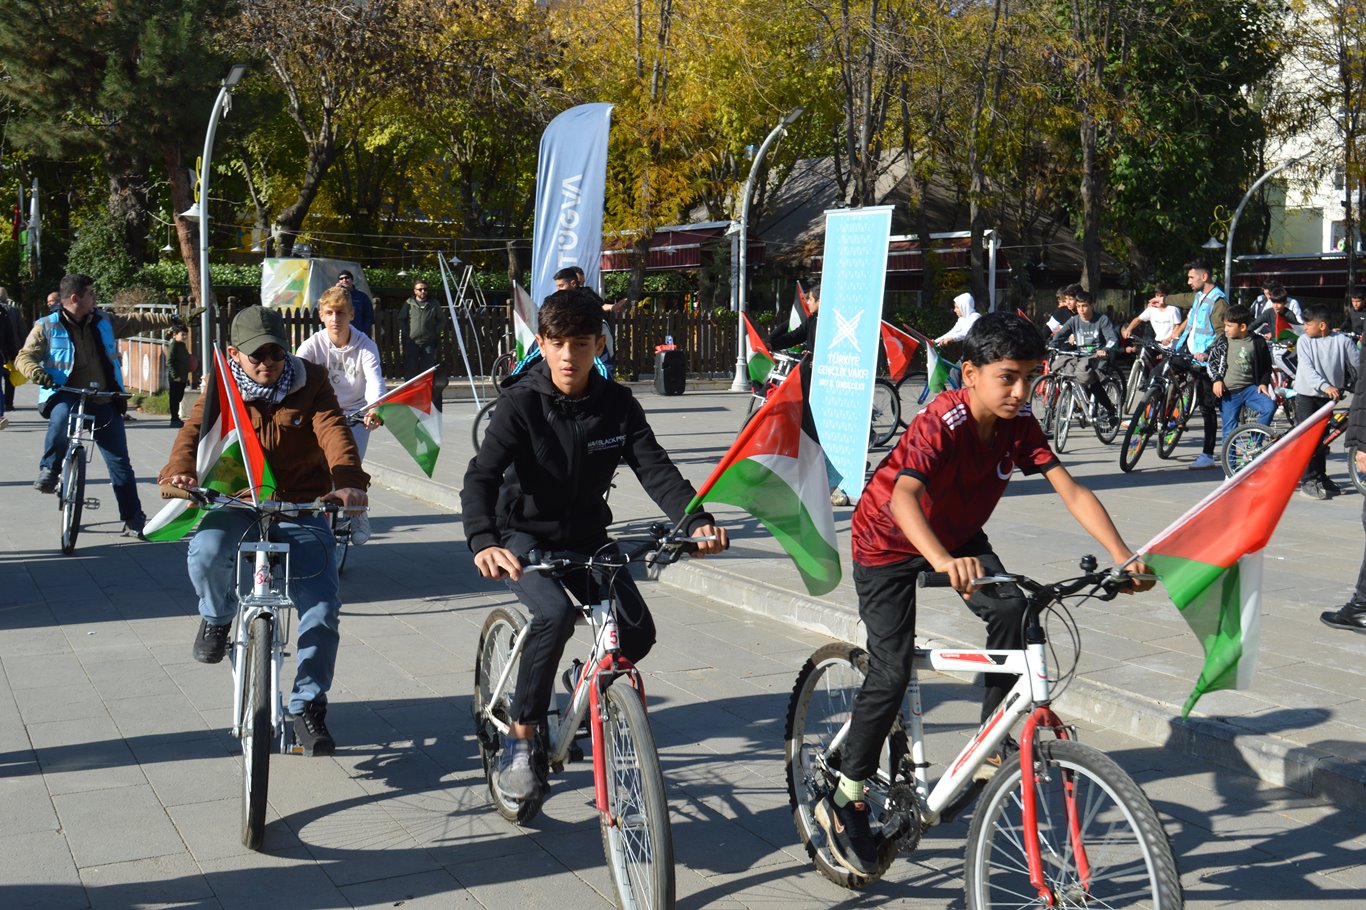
x,y
419,321
1356,415
1261,359
546,461
305,438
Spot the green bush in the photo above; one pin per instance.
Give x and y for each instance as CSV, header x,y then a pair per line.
x,y
98,251
160,403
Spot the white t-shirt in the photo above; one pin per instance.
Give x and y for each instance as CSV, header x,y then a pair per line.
x,y
353,369
1162,319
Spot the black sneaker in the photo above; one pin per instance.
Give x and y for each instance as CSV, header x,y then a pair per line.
x,y
849,834
133,527
1314,490
310,730
1351,618
46,483
988,768
211,643
517,778
1331,486
176,423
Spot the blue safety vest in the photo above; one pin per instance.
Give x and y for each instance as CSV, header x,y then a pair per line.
x,y
61,351
1198,326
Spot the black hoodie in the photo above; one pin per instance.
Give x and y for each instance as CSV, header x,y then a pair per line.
x,y
546,462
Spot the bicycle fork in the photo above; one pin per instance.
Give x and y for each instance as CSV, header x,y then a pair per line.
x,y
263,599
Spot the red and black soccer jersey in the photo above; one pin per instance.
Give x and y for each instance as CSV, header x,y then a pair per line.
x,y
964,477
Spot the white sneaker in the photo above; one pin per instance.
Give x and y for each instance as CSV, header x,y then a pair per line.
x,y
1203,462
360,528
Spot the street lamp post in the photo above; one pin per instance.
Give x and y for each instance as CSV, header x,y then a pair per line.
x,y
220,107
1233,223
741,382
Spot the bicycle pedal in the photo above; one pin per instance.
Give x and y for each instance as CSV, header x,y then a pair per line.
x,y
92,503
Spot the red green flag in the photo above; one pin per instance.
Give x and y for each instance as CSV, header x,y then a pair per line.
x,y
760,358
523,321
1210,559
900,349
1283,330
408,413
801,310
775,471
229,458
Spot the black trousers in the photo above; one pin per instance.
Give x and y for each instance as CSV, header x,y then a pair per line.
x,y
1209,407
552,625
886,596
1305,406
175,395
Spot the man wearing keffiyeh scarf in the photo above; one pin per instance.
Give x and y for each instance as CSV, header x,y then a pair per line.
x,y
312,455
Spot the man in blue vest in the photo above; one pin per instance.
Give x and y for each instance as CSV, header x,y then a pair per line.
x,y
76,346
1204,322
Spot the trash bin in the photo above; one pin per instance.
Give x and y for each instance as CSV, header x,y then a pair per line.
x,y
671,370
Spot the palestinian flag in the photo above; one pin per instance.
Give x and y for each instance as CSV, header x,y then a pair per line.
x,y
229,459
775,471
900,349
801,310
937,368
760,358
408,413
1283,330
1210,559
523,321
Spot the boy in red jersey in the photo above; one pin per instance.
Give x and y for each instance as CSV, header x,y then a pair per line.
x,y
924,510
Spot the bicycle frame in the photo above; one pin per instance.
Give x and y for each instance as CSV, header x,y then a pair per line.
x,y
605,658
264,597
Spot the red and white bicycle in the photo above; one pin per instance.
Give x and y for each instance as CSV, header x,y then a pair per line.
x,y
1058,825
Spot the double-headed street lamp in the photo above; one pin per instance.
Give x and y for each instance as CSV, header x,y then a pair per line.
x,y
200,210
741,382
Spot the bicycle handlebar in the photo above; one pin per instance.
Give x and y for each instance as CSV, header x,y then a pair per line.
x,y
91,391
660,548
1110,581
203,496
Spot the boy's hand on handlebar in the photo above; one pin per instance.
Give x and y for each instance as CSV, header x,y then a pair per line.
x,y
1139,585
718,544
347,496
961,571
497,562
184,481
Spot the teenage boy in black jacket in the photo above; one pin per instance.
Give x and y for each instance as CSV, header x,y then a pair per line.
x,y
538,480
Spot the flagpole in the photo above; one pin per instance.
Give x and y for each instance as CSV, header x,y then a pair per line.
x,y
459,336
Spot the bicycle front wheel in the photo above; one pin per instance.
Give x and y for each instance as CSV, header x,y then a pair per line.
x,y
481,423
1134,387
822,701
636,836
341,536
1175,410
1066,408
495,656
913,392
1358,478
1137,433
73,497
1107,424
1101,843
257,731
1243,445
886,413
1043,401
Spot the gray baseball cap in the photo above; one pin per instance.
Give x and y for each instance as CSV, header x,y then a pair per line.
x,y
257,326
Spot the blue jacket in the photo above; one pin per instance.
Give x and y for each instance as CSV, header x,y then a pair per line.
x,y
61,352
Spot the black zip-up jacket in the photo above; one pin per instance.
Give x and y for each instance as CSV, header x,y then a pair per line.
x,y
546,461
1261,359
1356,414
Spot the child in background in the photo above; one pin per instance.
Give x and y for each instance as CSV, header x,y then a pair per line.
x,y
178,370
1356,312
1163,319
1240,365
1327,369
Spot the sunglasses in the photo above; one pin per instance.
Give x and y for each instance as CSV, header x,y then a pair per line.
x,y
419,289
344,278
274,354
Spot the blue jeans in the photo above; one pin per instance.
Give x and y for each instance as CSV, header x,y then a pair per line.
x,y
112,443
1246,397
313,587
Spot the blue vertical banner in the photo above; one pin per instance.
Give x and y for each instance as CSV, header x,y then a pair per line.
x,y
571,180
845,361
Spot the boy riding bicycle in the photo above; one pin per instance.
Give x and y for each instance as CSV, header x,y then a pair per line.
x,y
559,433
924,510
1091,334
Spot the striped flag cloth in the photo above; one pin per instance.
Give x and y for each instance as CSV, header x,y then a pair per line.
x,y
801,310
229,458
1210,559
523,321
775,471
408,413
760,357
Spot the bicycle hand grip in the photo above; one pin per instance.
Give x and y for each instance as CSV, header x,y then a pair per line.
x,y
169,491
935,580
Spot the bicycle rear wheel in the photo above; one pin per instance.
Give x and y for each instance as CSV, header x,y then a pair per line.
x,y
1067,407
481,423
913,393
1243,445
73,497
1175,412
886,412
1137,433
495,654
257,731
1043,401
822,700
1358,478
636,836
1102,844
502,369
1107,425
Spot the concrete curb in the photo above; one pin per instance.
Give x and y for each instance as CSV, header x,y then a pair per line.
x,y
1223,742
